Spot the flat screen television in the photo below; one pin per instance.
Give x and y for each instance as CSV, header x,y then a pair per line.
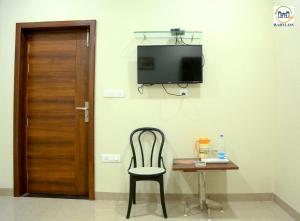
x,y
166,64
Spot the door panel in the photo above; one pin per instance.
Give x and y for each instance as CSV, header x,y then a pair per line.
x,y
56,151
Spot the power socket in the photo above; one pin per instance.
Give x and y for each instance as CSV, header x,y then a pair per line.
x,y
183,92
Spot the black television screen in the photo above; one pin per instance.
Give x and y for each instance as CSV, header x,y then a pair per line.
x,y
162,64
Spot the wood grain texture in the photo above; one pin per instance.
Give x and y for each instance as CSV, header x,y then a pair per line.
x,y
45,109
56,132
179,164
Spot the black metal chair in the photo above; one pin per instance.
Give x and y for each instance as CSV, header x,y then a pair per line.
x,y
150,173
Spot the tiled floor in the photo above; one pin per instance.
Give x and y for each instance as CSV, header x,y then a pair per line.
x,y
43,209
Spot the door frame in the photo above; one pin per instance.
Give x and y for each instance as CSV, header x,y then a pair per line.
x,y
19,135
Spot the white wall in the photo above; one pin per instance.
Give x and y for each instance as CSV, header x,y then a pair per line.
x,y
287,163
237,95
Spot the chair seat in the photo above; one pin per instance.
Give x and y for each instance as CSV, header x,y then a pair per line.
x,y
147,171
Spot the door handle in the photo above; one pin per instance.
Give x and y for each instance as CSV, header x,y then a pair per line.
x,y
82,108
86,111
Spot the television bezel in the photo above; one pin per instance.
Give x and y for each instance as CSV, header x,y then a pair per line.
x,y
169,82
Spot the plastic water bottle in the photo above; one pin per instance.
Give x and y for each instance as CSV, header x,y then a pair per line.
x,y
221,154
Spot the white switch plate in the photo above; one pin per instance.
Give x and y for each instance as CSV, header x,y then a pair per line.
x,y
111,158
113,93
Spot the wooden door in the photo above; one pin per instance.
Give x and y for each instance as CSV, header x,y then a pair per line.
x,y
56,132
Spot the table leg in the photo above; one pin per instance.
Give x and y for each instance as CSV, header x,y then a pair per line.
x,y
201,194
203,202
202,189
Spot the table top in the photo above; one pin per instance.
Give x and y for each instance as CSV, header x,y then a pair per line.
x,y
188,165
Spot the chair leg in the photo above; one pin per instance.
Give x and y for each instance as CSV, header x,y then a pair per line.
x,y
130,197
134,193
162,196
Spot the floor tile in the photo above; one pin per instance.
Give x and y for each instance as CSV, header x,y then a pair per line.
x,y
45,209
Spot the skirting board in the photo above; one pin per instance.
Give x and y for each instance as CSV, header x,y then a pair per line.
x,y
287,208
172,196
6,192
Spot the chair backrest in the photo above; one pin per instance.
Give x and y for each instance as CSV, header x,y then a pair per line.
x,y
136,139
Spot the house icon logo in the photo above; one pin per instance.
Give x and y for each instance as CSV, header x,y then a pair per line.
x,y
283,16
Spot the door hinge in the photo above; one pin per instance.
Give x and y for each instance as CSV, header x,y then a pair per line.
x,y
27,122
88,38
27,68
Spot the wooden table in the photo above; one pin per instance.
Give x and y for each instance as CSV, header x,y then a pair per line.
x,y
188,165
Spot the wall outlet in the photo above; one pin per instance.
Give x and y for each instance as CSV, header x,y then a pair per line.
x,y
183,92
111,158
